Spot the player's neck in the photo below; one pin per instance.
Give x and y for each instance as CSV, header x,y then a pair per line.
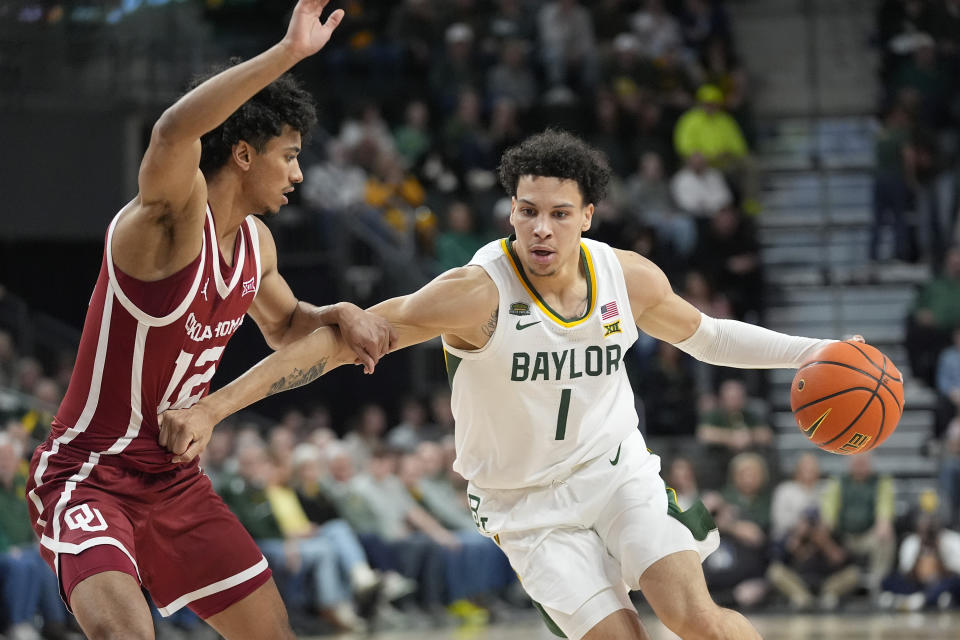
x,y
228,205
561,281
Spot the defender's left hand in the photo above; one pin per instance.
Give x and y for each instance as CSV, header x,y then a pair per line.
x,y
369,336
186,432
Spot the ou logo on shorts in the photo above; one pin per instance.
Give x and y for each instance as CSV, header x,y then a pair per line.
x,y
83,517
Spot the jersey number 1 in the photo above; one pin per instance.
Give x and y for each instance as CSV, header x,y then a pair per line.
x,y
562,414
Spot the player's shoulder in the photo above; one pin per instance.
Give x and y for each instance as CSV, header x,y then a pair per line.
x,y
647,284
471,283
491,252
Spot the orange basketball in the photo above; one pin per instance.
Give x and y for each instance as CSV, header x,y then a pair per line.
x,y
848,398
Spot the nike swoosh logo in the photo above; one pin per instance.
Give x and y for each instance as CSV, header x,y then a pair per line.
x,y
521,327
617,459
816,423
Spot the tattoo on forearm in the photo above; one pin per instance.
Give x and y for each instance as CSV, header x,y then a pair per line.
x,y
491,324
298,378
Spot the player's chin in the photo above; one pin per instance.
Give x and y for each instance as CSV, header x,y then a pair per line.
x,y
269,212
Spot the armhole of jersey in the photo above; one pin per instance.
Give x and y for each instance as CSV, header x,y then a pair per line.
x,y
255,241
482,352
616,271
135,311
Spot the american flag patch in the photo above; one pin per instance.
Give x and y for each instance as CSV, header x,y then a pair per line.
x,y
609,310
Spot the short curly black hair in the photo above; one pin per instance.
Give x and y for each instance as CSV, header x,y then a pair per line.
x,y
555,153
282,102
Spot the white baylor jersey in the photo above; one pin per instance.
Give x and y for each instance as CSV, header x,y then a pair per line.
x,y
546,393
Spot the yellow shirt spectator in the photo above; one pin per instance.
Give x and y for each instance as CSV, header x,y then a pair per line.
x,y
709,130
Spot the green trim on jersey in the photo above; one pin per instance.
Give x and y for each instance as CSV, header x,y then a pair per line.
x,y
451,362
554,629
697,519
588,268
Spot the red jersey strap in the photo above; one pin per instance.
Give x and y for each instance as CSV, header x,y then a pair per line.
x,y
131,308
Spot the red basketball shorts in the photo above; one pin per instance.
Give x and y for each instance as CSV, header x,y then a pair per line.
x,y
170,531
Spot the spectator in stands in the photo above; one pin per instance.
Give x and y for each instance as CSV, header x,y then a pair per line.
x,y
729,249
378,506
709,130
607,131
476,567
682,478
367,433
675,83
413,138
322,511
273,516
656,29
807,558
722,69
893,163
936,313
567,44
459,242
698,291
27,589
413,428
511,77
701,21
700,189
667,384
466,145
647,190
858,507
39,416
742,514
653,133
416,26
948,385
504,131
336,184
440,410
512,19
628,74
8,357
727,431
928,569
29,373
920,72
395,192
366,129
217,459
457,70
949,480
934,183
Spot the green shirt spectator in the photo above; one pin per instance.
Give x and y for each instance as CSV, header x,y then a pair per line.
x,y
15,529
854,506
251,506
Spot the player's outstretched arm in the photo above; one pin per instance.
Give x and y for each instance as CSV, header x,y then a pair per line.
x,y
457,303
460,304
163,227
661,313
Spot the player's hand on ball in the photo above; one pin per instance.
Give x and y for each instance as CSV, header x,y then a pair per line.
x,y
368,335
186,432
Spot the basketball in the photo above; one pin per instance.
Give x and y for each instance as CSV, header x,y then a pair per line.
x,y
848,398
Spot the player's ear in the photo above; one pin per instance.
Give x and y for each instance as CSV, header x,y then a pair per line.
x,y
587,217
242,154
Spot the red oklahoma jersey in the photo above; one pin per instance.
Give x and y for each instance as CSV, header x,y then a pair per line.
x,y
150,346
